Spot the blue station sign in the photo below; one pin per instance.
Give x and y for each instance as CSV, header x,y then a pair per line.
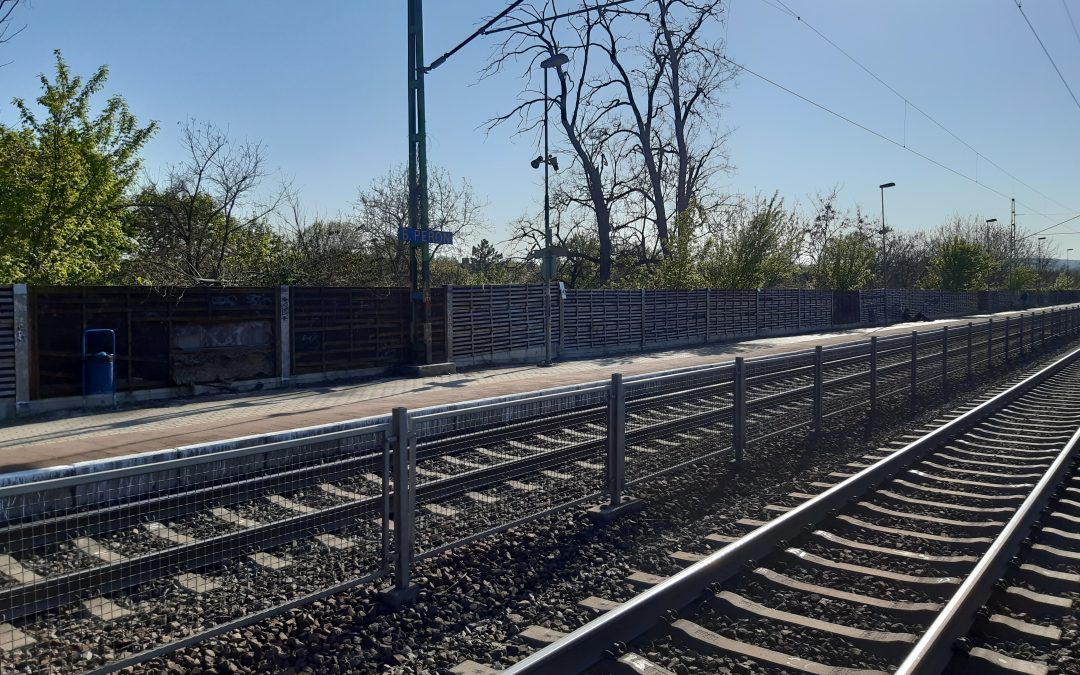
x,y
413,235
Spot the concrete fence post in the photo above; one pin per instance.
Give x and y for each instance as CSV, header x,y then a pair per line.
x,y
819,389
738,413
616,464
284,334
403,505
873,380
22,347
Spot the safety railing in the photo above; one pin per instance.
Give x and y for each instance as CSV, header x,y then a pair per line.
x,y
164,554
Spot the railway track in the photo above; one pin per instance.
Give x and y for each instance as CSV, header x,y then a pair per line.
x,y
882,571
99,568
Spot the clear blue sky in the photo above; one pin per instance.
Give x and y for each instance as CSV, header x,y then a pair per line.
x,y
322,85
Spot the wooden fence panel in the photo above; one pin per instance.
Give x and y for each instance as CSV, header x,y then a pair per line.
x,y
732,312
164,337
337,329
498,320
7,343
598,320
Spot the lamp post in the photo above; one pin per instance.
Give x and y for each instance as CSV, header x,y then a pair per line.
x,y
556,61
884,231
988,221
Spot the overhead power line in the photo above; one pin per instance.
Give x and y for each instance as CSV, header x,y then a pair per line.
x,y
784,9
1071,22
1047,52
880,135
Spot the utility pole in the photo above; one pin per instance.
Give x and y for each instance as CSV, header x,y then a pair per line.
x,y
420,284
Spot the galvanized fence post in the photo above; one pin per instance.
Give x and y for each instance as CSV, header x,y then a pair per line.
x,y
971,346
914,363
1006,339
819,379
1020,343
404,508
738,421
873,380
616,460
945,361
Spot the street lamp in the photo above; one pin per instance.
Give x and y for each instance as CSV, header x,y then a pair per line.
x,y
556,61
884,230
988,221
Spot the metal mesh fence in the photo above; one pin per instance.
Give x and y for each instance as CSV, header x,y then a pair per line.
x,y
779,394
101,567
677,419
506,463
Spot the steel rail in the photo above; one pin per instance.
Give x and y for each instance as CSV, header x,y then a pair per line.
x,y
934,649
27,598
585,646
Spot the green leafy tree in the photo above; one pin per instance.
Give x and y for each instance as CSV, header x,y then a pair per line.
x,y
1063,282
486,265
756,247
1022,279
678,270
958,265
64,176
846,262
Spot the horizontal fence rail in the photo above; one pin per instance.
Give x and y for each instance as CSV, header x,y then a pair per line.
x,y
162,554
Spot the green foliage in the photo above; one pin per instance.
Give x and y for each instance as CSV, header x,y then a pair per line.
x,y
486,265
63,179
1022,279
846,262
678,271
1063,282
958,265
756,248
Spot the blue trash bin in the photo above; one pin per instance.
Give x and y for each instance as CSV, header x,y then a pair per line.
x,y
99,362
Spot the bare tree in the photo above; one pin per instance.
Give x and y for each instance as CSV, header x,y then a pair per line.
x,y
7,29
637,114
383,207
207,222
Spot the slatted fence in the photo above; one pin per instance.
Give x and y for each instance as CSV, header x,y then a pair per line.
x,y
7,343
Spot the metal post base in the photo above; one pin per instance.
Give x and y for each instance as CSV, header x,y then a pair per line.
x,y
395,598
605,513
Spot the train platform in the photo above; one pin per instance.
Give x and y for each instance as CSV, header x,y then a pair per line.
x,y
32,444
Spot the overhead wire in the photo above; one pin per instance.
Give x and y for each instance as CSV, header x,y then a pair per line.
x,y
1071,22
784,9
1047,52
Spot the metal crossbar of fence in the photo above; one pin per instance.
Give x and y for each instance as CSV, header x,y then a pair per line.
x,y
144,559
